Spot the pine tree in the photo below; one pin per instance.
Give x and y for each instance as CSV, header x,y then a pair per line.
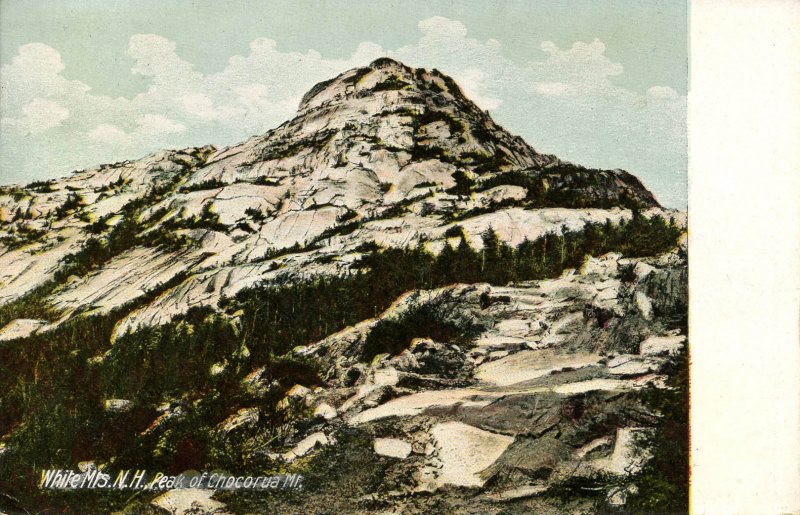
x,y
444,268
490,255
504,271
467,263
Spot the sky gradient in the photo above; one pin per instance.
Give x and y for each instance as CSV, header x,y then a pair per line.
x,y
602,84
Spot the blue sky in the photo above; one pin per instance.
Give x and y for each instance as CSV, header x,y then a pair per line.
x,y
598,83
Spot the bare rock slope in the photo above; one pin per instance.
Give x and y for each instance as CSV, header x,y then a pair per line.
x,y
385,153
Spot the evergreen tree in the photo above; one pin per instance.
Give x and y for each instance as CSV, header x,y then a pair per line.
x,y
467,263
504,269
490,255
464,184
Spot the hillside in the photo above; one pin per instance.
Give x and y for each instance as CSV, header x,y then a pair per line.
x,y
390,270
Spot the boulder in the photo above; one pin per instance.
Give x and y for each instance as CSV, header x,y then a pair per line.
x,y
392,447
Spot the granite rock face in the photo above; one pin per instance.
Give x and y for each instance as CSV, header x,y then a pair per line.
x,y
384,153
546,387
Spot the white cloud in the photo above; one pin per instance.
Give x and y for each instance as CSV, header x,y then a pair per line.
x,y
583,59
155,57
553,88
198,104
107,134
471,83
35,73
439,27
39,115
38,56
565,103
157,124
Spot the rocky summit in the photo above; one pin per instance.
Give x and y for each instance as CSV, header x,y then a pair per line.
x,y
388,294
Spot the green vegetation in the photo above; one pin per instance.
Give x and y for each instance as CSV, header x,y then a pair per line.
x,y
532,182
451,85
454,232
393,336
99,250
127,232
572,186
31,305
209,184
141,366
347,215
283,149
256,214
661,486
464,184
392,83
308,311
73,203
338,230
165,237
481,133
428,117
423,149
19,194
42,186
401,111
490,163
393,211
663,481
266,181
207,219
22,235
422,152
50,402
273,253
100,225
19,215
341,160
426,184
121,181
357,76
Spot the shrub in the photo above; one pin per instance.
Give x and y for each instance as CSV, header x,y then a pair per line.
x,y
369,246
42,186
393,336
255,214
454,232
266,181
209,184
74,201
99,226
360,73
207,219
464,184
347,215
25,235
392,83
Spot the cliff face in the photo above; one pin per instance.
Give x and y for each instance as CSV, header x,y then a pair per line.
x,y
379,158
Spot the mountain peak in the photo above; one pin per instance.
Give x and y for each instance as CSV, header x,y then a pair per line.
x,y
387,62
391,81
385,153
414,110
421,115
